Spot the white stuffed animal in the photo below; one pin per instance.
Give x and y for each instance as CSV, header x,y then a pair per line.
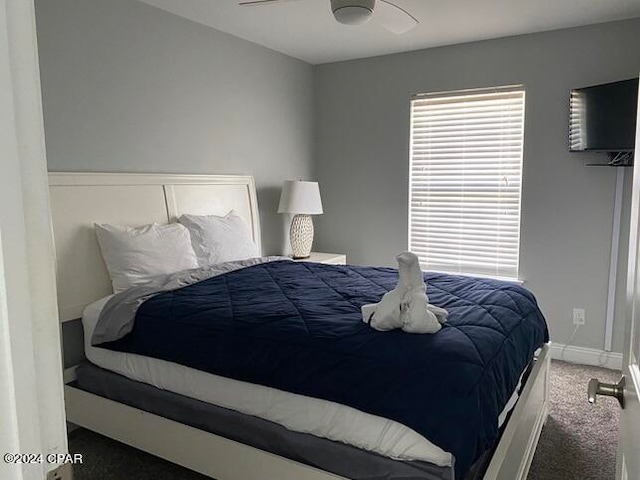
x,y
406,306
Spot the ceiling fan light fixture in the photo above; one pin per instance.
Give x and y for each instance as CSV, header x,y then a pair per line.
x,y
352,12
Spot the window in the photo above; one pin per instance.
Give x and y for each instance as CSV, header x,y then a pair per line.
x,y
465,179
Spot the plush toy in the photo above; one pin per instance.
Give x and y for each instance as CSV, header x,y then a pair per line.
x,y
407,306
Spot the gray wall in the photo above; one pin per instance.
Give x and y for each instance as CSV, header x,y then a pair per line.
x,y
130,88
362,158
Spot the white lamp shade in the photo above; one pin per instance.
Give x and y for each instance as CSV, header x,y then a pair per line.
x,y
300,198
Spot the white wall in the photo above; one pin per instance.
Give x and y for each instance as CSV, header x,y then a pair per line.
x,y
362,158
129,87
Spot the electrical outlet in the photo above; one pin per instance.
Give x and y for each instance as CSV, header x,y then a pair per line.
x,y
578,316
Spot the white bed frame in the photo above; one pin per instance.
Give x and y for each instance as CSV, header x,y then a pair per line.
x,y
80,199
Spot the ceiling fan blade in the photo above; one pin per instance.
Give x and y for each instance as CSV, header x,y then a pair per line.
x,y
256,3
394,18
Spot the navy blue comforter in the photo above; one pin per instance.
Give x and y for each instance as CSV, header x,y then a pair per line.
x,y
297,327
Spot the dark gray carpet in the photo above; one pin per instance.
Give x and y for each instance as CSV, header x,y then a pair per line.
x,y
579,440
105,459
577,443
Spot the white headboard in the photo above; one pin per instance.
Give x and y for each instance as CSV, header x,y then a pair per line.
x,y
78,200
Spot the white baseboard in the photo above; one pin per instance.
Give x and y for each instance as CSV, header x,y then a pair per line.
x,y
69,374
586,356
71,427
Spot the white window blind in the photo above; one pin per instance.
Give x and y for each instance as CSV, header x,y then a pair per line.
x,y
465,179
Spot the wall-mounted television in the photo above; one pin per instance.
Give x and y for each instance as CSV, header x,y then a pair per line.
x,y
603,117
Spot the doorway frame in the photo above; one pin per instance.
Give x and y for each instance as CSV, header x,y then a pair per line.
x,y
31,383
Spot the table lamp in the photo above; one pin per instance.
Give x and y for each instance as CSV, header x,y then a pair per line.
x,y
303,200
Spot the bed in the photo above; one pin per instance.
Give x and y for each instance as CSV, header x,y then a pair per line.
x,y
79,200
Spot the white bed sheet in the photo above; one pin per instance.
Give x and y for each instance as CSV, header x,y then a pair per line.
x,y
299,413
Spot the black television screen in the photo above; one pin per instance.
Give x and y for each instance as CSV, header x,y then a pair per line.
x,y
603,117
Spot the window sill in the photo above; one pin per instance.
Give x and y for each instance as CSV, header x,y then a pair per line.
x,y
516,281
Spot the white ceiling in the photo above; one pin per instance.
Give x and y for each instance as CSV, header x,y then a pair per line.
x,y
305,29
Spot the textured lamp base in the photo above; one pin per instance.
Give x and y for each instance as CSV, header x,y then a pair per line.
x,y
301,236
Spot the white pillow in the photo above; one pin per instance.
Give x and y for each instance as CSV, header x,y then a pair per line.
x,y
135,255
220,239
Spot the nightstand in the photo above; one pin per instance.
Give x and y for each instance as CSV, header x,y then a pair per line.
x,y
319,257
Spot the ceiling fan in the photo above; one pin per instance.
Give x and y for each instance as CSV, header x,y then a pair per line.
x,y
355,12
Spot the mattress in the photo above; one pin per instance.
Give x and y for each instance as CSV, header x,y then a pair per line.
x,y
335,457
